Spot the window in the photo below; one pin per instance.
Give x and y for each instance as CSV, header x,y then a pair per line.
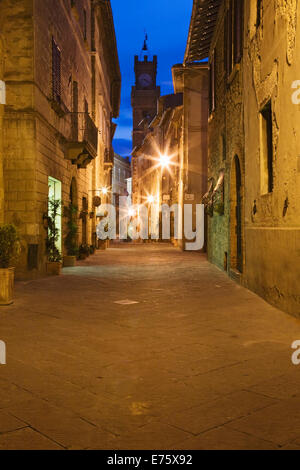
x,y
266,149
212,80
233,31
258,12
228,40
238,30
55,194
56,72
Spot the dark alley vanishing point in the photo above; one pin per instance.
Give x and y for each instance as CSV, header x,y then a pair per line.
x,y
146,347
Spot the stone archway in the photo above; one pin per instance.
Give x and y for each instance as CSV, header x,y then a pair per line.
x,y
236,211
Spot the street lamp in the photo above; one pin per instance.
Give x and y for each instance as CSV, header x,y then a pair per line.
x,y
131,212
164,160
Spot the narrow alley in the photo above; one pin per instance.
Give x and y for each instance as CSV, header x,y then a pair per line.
x,y
144,347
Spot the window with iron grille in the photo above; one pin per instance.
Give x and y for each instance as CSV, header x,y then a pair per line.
x,y
56,72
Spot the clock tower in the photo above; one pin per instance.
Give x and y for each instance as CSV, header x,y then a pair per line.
x,y
144,98
144,94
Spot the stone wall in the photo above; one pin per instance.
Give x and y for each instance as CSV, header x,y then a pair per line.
x,y
36,134
1,134
270,231
226,140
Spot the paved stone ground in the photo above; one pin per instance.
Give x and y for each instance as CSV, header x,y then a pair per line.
x,y
197,363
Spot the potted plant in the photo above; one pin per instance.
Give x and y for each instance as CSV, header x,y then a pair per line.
x,y
84,251
71,238
53,253
8,249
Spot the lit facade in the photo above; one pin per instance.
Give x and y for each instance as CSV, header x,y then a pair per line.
x,y
173,154
63,89
253,167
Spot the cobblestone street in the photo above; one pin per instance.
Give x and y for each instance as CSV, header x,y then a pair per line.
x,y
186,360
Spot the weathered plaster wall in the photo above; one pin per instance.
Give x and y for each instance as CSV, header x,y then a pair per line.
x,y
273,229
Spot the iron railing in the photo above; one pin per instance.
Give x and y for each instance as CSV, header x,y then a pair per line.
x,y
84,130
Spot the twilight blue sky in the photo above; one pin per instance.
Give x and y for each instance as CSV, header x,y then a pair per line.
x,y
167,25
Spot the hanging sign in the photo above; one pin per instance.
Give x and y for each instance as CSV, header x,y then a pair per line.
x,y
2,92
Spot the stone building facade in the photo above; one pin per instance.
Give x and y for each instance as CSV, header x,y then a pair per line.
x,y
63,89
177,134
272,149
120,175
2,102
192,82
253,168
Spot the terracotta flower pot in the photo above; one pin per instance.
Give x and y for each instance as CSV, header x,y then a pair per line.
x,y
53,268
69,261
7,277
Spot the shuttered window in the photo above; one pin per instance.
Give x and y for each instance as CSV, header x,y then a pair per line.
x,y
238,30
56,72
234,31
228,27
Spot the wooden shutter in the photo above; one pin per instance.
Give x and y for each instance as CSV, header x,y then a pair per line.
x,y
229,58
238,30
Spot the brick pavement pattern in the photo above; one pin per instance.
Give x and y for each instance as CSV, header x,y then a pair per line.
x,y
191,361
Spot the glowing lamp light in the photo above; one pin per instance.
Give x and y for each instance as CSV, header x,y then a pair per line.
x,y
164,161
131,212
150,199
104,190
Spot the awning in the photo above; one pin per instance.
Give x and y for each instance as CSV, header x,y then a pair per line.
x,y
203,22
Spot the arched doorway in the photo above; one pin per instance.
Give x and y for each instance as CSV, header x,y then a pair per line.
x,y
236,230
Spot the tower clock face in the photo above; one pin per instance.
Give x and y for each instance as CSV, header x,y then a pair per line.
x,y
145,80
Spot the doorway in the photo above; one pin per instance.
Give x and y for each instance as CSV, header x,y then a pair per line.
x,y
84,220
54,194
236,230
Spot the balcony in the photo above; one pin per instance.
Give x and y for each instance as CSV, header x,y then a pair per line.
x,y
82,143
109,158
